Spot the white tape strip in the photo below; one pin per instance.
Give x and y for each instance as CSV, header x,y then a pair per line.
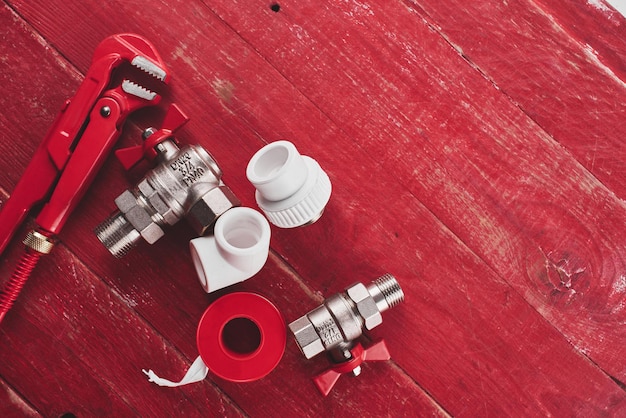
x,y
196,373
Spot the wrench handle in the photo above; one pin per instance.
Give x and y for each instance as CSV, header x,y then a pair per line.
x,y
33,187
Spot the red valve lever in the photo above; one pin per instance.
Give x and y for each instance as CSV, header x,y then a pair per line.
x,y
376,352
131,156
75,147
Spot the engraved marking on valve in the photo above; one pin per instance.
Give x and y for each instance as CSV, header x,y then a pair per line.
x,y
329,333
189,172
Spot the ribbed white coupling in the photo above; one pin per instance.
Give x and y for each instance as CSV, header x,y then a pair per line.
x,y
236,251
291,189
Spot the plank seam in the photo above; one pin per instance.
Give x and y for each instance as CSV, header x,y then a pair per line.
x,y
21,396
616,380
63,61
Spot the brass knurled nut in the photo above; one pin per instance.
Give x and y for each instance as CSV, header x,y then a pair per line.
x,y
38,242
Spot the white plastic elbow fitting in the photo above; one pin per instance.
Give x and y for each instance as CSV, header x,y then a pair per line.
x,y
236,251
291,189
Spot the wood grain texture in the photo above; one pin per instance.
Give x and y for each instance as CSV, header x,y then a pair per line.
x,y
563,65
505,240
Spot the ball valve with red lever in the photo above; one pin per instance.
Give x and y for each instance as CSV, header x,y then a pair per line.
x,y
339,321
185,183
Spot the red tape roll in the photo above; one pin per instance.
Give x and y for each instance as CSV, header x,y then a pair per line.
x,y
228,363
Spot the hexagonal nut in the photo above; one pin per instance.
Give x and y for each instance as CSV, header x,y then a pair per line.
x,y
157,203
138,217
306,337
365,305
203,214
143,223
166,212
145,188
126,201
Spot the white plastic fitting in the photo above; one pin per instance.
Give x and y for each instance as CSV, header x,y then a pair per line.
x,y
291,189
236,251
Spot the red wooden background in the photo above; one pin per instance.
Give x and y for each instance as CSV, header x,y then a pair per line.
x,y
477,152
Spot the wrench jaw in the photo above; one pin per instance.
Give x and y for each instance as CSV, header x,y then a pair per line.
x,y
133,49
110,55
150,67
137,90
129,48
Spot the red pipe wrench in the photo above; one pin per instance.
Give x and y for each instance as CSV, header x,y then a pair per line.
x,y
75,147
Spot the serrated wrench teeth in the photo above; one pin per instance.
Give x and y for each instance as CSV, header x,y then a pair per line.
x,y
137,90
149,67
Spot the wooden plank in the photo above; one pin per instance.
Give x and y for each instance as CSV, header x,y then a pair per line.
x,y
29,105
563,64
594,24
463,333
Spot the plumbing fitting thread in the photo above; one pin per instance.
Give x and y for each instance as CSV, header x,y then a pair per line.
x,y
186,183
386,292
236,251
118,235
292,190
341,318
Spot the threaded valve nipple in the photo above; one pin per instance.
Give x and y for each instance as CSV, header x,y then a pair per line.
x,y
118,235
390,288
